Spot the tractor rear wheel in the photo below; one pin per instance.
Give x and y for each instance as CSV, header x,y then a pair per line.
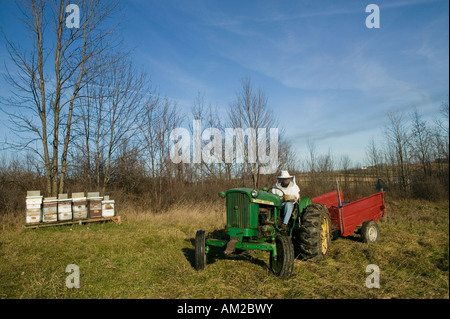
x,y
200,250
315,232
284,263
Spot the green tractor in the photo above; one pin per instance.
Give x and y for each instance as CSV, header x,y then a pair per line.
x,y
254,223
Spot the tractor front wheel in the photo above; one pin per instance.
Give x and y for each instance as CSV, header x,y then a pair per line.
x,y
200,250
283,265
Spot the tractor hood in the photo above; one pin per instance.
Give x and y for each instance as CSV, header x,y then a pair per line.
x,y
261,197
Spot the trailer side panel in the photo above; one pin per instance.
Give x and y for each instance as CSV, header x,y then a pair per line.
x,y
356,213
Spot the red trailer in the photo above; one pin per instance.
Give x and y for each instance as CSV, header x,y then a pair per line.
x,y
346,217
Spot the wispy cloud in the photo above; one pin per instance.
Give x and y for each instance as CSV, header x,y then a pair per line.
x,y
180,77
407,3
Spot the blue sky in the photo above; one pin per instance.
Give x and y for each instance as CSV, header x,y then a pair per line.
x,y
327,76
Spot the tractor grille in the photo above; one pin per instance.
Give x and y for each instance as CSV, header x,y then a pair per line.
x,y
238,210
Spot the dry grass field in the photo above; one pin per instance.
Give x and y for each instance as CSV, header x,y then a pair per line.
x,y
151,256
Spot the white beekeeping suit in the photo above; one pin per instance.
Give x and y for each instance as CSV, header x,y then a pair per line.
x,y
292,189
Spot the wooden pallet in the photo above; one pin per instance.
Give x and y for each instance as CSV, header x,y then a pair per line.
x,y
115,219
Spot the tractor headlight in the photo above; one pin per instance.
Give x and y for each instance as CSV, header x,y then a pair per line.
x,y
254,193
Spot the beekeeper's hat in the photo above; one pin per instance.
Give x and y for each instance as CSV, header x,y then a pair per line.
x,y
285,174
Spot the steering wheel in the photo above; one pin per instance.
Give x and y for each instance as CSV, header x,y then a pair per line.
x,y
278,189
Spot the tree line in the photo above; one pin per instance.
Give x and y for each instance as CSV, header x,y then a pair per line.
x,y
413,153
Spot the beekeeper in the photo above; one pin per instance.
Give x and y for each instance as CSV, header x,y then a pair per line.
x,y
291,195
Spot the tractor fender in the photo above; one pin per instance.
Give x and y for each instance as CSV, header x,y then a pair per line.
x,y
304,202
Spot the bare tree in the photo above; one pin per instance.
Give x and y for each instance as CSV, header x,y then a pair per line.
x,y
444,110
47,99
345,163
325,162
311,161
374,156
149,133
159,117
442,132
214,167
198,114
421,151
109,118
287,157
250,111
397,142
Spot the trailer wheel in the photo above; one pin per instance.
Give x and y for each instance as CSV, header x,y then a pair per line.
x,y
284,264
370,232
315,232
200,250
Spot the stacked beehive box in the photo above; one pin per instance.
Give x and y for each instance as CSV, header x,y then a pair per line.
x,y
79,208
50,210
107,207
33,207
64,207
95,205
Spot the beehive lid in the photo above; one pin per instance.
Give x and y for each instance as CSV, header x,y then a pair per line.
x,y
76,197
50,199
63,198
34,194
94,195
34,197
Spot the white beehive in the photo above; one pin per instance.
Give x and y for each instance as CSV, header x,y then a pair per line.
x,y
33,207
50,209
107,207
64,207
79,206
94,205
